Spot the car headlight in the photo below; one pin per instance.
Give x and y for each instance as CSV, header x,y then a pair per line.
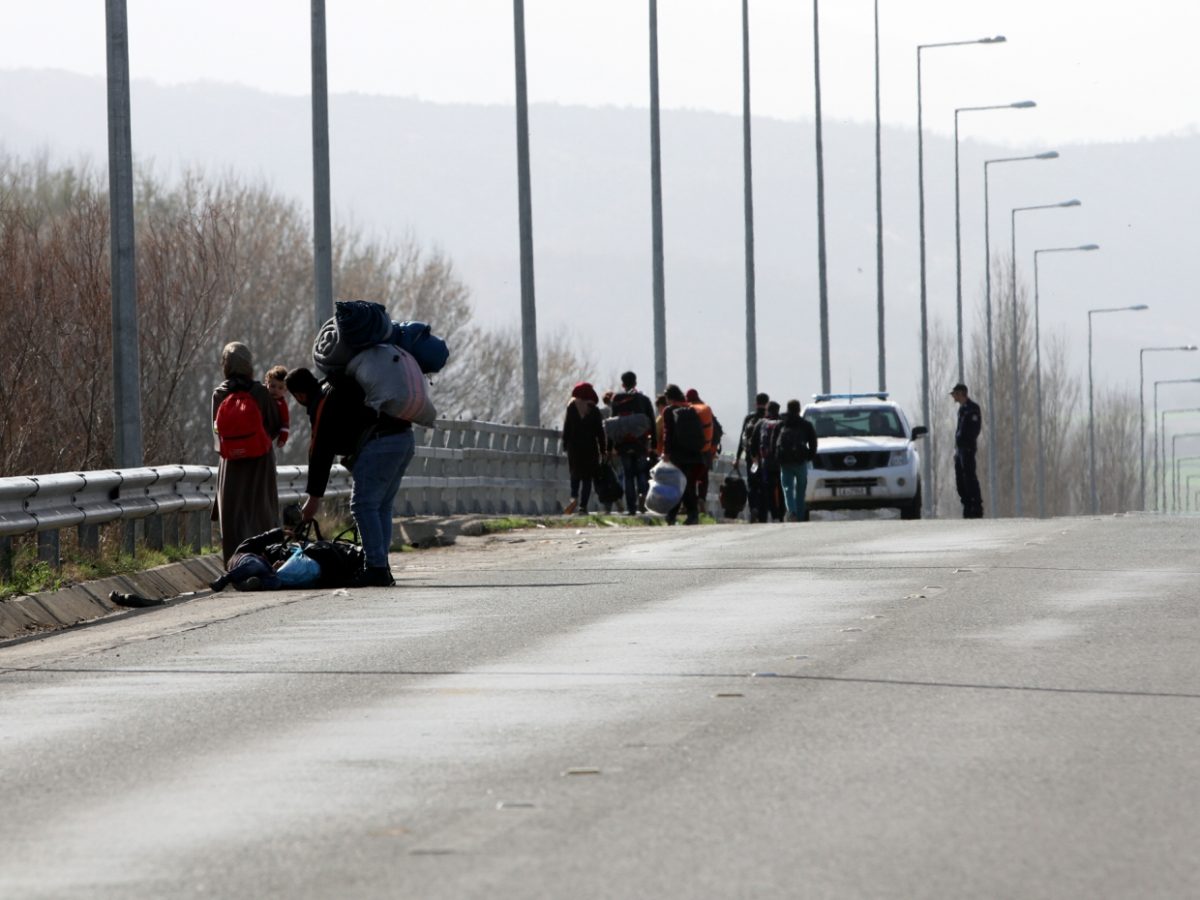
x,y
898,458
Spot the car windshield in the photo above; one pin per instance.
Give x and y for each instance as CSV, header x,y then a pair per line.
x,y
858,421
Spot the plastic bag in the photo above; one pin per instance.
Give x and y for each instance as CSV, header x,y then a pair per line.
x,y
299,570
670,475
663,498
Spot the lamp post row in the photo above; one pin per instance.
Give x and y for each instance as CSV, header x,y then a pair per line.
x,y
127,415
1018,486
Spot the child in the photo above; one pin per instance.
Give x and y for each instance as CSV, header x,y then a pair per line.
x,y
277,388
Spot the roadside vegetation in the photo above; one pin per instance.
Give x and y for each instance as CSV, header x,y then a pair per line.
x,y
31,575
218,259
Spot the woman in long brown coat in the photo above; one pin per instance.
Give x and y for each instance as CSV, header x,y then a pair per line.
x,y
247,491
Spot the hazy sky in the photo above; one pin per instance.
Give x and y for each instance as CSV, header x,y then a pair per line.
x,y
1098,71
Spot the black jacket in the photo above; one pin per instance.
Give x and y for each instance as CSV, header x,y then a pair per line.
x,y
795,420
341,423
751,419
970,423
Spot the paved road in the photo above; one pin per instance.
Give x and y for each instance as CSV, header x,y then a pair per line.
x,y
941,709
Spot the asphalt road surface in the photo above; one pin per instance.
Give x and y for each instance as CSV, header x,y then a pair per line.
x,y
936,709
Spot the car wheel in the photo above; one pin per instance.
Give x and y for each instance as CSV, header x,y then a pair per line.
x,y
912,509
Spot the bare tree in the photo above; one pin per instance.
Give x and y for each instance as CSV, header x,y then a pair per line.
x,y
218,260
1064,425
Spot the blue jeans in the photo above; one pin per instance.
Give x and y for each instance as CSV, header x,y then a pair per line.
x,y
637,478
794,477
377,472
249,565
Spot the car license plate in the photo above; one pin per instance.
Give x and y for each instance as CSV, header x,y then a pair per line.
x,y
852,491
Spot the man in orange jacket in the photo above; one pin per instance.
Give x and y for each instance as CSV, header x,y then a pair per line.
x,y
711,441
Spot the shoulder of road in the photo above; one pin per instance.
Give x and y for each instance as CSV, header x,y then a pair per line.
x,y
34,615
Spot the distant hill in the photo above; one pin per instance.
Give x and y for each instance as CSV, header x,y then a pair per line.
x,y
446,173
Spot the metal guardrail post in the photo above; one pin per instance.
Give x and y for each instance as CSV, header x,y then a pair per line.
x,y
153,528
88,537
198,523
6,558
49,549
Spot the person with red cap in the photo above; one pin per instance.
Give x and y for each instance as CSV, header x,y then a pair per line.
x,y
584,443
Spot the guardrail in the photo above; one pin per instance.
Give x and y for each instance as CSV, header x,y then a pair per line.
x,y
459,467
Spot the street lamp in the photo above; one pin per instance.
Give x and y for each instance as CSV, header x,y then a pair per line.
x,y
987,251
1190,496
1037,369
927,458
656,214
958,307
1177,461
1091,415
1160,480
1018,482
822,273
1142,408
879,216
531,402
1174,412
748,203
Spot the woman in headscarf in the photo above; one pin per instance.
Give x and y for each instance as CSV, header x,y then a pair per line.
x,y
247,491
583,440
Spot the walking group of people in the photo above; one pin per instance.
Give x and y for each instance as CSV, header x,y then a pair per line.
x,y
777,449
613,445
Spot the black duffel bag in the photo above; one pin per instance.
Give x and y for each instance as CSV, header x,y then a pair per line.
x,y
606,484
732,496
342,560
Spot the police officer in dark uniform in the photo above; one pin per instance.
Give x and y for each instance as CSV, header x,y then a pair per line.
x,y
970,421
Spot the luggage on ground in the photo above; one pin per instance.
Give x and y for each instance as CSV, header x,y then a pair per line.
x,y
342,561
733,495
607,485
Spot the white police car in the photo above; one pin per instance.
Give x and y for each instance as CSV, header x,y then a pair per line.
x,y
866,456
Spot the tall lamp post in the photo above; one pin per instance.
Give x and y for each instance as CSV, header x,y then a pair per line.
x,y
958,306
822,274
1018,482
987,252
1155,423
126,387
656,216
748,204
1142,410
322,229
1091,406
1037,369
879,216
1177,461
927,458
531,403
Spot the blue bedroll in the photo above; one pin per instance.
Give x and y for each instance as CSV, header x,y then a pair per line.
x,y
429,350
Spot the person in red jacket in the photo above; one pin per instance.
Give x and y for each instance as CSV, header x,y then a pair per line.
x,y
276,382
